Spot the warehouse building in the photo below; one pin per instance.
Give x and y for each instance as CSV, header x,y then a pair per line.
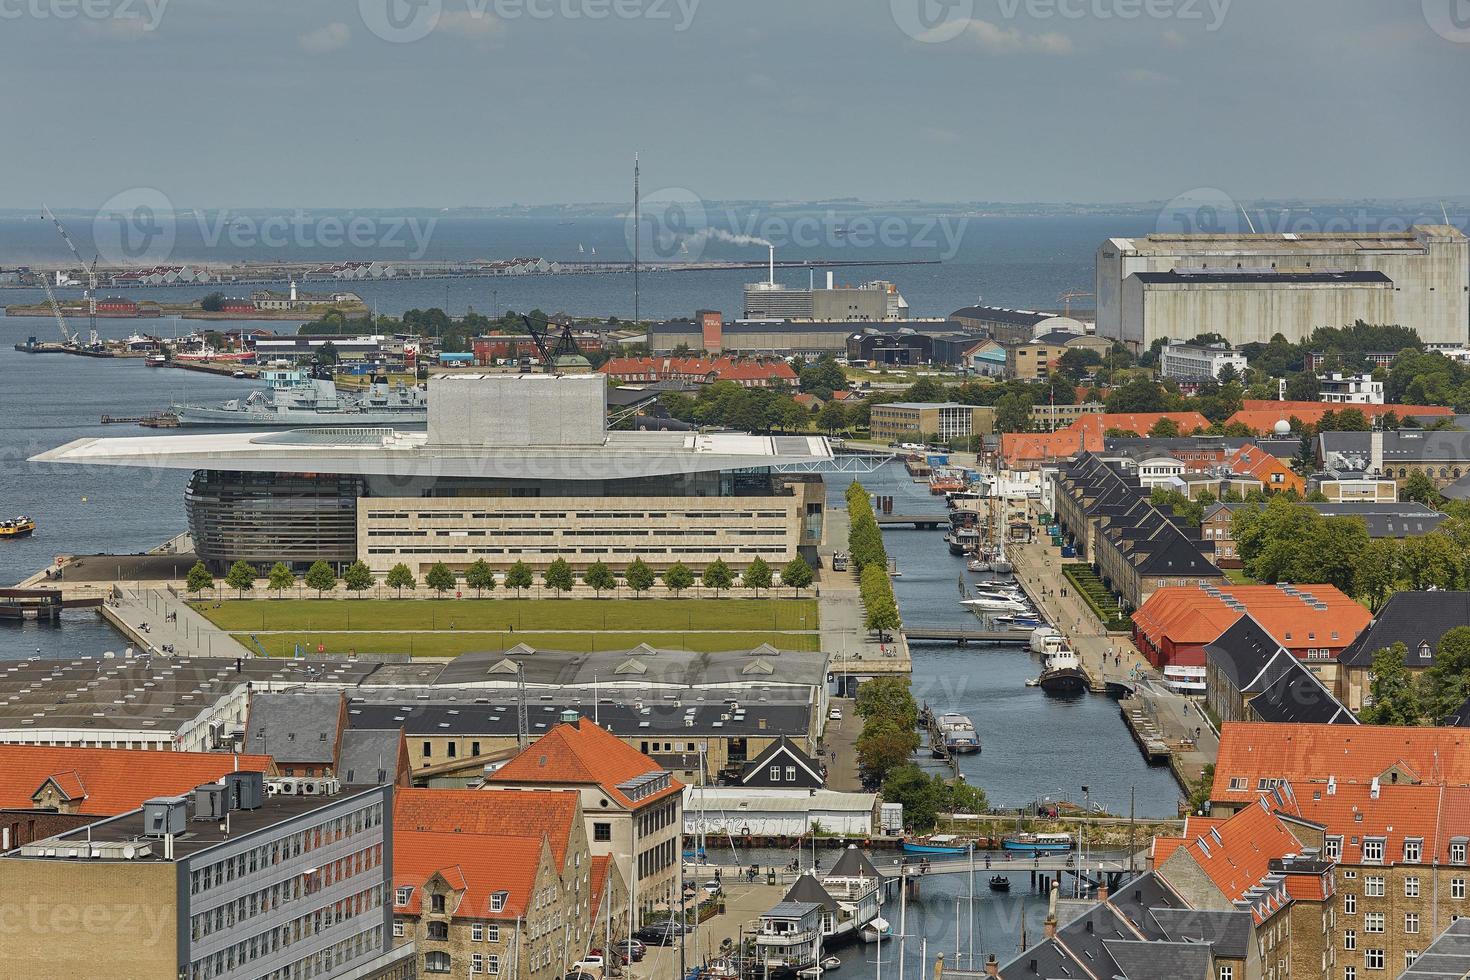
x,y
1014,326
512,467
779,338
1247,288
870,302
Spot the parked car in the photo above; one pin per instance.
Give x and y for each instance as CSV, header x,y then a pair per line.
x,y
617,957
632,949
712,886
661,934
835,714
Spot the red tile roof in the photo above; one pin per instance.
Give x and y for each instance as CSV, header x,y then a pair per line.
x,y
1189,615
478,864
1087,434
1311,754
1395,812
582,754
113,781
1252,460
532,814
1261,415
1236,854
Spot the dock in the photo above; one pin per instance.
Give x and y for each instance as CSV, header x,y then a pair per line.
x,y
962,635
1145,732
41,604
917,521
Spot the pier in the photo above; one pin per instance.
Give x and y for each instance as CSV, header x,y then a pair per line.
x,y
919,522
42,604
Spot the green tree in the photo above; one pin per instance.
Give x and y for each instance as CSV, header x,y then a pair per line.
x,y
281,578
1013,412
558,576
678,577
212,302
1419,488
883,747
241,577
1396,698
199,578
439,578
639,576
358,578
797,574
519,577
1164,428
1429,561
320,577
480,577
718,576
910,786
757,575
832,417
887,697
1376,572
599,577
1448,679
399,578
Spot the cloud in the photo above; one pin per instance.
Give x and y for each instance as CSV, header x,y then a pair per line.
x,y
329,38
471,25
1143,76
994,39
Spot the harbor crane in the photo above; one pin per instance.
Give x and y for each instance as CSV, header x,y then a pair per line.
x,y
90,270
67,337
1068,297
551,353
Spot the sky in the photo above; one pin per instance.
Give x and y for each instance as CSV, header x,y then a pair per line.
x,y
448,103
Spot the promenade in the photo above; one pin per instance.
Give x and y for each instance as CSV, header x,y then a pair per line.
x,y
850,645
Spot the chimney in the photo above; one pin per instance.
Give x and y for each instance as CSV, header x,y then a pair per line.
x,y
1102,892
773,265
992,966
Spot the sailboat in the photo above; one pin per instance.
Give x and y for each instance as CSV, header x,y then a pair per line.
x,y
580,249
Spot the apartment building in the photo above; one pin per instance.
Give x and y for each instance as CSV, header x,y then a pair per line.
x,y
917,421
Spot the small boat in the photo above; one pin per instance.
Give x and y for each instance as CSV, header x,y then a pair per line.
x,y
830,963
696,854
1038,843
937,844
978,565
961,540
17,527
1000,883
1045,638
878,927
985,605
1002,567
721,969
1061,673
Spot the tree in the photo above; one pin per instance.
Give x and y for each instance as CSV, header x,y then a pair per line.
x,y
281,578
1429,561
1396,699
440,578
1013,412
678,577
199,578
480,576
241,577
757,575
887,697
358,577
883,747
717,576
1419,488
797,574
558,576
320,577
1164,428
832,417
1448,679
399,577
598,577
908,785
1377,571
519,577
212,302
639,576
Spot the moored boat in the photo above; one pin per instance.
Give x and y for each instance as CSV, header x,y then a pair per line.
x,y
1038,843
937,844
1062,673
1000,883
17,527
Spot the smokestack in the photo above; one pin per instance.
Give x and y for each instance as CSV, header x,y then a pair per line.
x,y
829,278
773,265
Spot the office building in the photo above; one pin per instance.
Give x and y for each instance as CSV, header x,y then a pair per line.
x,y
228,881
919,421
1197,362
1034,359
512,467
1248,288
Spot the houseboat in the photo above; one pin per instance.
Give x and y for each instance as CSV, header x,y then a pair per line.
x,y
789,938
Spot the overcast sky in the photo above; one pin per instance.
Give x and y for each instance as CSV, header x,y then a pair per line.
x,y
333,103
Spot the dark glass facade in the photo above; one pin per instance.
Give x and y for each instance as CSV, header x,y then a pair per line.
x,y
264,518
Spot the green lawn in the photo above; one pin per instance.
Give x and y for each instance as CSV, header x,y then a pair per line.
x,y
451,644
376,615
1237,576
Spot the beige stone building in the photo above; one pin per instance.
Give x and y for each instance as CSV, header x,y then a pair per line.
x,y
916,421
632,807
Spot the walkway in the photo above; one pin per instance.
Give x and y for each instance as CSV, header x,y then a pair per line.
x,y
153,619
851,647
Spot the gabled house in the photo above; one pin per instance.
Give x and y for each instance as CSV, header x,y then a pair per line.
x,y
1418,620
783,766
1249,676
301,730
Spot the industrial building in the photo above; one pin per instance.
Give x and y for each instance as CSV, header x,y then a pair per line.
x,y
780,338
1248,288
870,302
1014,326
512,467
1033,360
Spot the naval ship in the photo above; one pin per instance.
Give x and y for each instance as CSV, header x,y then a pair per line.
x,y
299,398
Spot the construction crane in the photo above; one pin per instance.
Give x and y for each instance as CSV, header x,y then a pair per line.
x,y
1067,299
91,270
550,353
67,337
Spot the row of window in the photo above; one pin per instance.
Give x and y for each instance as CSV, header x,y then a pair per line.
x,y
284,848
657,857
381,515
319,964
282,893
656,819
707,549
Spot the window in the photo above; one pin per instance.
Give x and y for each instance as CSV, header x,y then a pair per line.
x,y
1412,851
428,749
1411,887
775,774
1373,921
1349,973
1457,888
1457,851
1349,904
436,962
1410,955
477,962
436,903
477,932
1373,886
438,930
1227,973
403,894
497,902
1334,848
1373,959
492,965
492,933
1350,939
1411,922
1373,850
398,930
602,832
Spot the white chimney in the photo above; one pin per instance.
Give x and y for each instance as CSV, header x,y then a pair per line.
x,y
773,265
830,274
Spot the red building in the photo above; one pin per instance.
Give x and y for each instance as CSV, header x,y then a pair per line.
x,y
748,373
491,348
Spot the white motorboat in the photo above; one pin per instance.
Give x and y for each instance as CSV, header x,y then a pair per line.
x,y
1044,639
994,604
978,565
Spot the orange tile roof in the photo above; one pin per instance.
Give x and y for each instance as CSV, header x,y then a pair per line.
x,y
1310,754
1190,615
113,781
1087,434
1252,460
533,814
1261,415
598,877
1236,854
582,754
1352,811
1141,422
478,864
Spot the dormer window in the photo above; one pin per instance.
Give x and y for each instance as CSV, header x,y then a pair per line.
x,y
497,901
403,894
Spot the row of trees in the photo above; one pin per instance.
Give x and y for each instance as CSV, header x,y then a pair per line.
x,y
1402,698
559,577
1285,541
870,558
